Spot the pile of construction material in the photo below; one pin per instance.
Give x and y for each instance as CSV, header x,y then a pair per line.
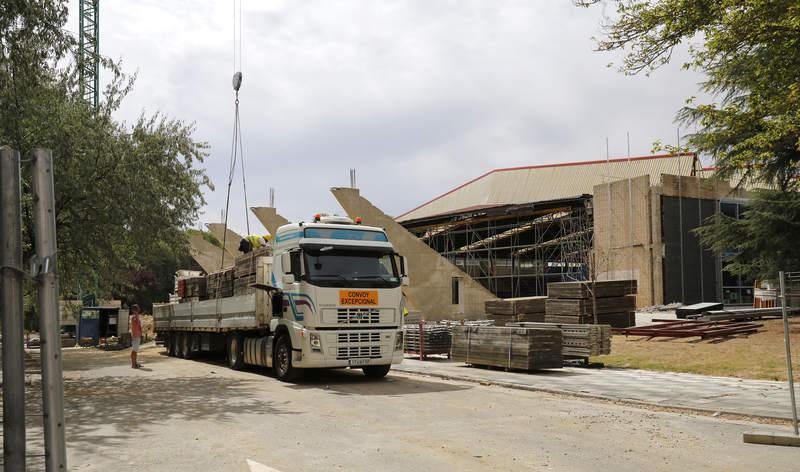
x,y
220,283
604,302
578,340
245,270
511,310
509,348
192,288
426,338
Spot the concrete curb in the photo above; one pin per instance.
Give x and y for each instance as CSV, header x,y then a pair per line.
x,y
771,438
591,396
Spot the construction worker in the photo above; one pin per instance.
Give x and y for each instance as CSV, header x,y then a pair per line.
x,y
252,242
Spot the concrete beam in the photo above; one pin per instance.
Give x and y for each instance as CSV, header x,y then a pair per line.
x,y
269,217
231,242
431,275
207,255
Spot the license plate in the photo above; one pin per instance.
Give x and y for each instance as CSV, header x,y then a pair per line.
x,y
357,362
358,297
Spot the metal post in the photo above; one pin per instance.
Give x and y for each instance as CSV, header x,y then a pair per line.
x,y
11,303
788,352
47,283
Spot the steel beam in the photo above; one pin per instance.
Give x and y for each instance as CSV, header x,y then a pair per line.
x,y
12,315
47,283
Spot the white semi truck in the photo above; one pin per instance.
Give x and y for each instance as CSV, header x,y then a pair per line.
x,y
329,296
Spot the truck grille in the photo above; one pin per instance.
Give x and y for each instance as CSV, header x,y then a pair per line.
x,y
358,316
345,338
352,352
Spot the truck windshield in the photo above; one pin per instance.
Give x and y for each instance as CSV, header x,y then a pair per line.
x,y
332,267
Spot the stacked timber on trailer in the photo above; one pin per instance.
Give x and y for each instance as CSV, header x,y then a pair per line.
x,y
573,303
220,283
510,348
245,270
192,288
578,340
511,310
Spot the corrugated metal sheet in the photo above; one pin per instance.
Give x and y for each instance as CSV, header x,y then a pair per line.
x,y
549,182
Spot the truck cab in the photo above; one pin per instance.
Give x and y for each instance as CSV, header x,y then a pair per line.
x,y
340,287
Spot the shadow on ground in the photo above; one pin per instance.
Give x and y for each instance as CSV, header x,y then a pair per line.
x,y
354,382
104,412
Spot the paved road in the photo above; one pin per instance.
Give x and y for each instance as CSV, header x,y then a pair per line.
x,y
192,416
666,389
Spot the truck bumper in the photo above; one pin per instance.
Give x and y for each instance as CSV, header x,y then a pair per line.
x,y
348,348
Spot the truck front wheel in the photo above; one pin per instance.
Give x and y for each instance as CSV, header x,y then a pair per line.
x,y
282,362
235,353
377,371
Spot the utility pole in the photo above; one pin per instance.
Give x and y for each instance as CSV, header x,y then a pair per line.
x,y
89,51
11,303
47,283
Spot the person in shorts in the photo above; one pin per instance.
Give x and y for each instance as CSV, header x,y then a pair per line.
x,y
136,334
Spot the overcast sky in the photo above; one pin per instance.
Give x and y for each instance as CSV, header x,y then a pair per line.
x,y
417,95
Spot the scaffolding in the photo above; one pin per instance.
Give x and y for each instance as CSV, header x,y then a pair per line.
x,y
516,250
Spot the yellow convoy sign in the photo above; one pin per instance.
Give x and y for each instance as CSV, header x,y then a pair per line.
x,y
358,297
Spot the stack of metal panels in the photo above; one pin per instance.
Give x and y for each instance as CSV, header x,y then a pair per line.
x,y
578,340
510,348
435,338
572,303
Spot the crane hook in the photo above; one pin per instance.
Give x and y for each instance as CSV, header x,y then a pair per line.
x,y
237,81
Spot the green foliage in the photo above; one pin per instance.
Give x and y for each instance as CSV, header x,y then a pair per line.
x,y
764,241
749,52
124,192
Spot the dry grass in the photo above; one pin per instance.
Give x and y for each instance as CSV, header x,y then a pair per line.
x,y
758,356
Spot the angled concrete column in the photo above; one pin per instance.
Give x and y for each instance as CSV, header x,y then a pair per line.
x,y
231,242
269,217
207,255
431,289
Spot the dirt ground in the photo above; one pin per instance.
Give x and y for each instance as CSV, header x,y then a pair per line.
x,y
192,416
758,356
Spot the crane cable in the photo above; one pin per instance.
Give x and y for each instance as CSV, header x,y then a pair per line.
x,y
237,152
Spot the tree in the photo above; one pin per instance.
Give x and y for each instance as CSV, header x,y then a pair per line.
x,y
123,192
757,244
749,53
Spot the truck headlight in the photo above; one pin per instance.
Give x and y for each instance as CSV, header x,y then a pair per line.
x,y
398,343
316,343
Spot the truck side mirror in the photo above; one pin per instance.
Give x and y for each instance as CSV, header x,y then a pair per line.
x,y
286,263
404,266
405,281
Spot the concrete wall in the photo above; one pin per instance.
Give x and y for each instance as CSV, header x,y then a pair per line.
x,y
207,255
629,225
232,240
430,291
269,217
626,240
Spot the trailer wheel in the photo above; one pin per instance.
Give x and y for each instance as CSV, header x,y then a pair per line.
x,y
173,344
282,361
235,354
377,371
186,346
168,343
179,344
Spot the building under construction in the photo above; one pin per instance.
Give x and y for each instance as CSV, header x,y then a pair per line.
x,y
514,230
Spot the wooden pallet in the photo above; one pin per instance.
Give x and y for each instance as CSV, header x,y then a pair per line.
x,y
601,289
510,348
585,306
515,306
